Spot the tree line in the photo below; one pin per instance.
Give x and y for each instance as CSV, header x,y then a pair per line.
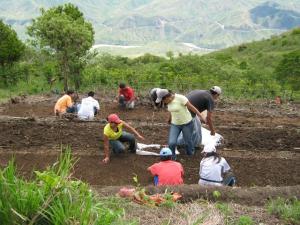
x,y
57,55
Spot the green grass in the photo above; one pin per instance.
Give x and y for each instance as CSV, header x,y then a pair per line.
x,y
286,209
53,197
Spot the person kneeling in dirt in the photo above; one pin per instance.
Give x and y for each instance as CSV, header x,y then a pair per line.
x,y
65,104
126,96
89,107
154,92
167,172
214,170
114,135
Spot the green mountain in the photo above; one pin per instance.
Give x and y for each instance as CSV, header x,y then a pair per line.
x,y
209,24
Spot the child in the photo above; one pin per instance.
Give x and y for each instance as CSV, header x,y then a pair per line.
x,y
166,172
213,168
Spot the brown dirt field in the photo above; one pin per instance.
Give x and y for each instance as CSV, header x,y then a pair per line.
x,y
262,142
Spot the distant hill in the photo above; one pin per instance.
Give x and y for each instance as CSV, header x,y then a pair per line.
x,y
210,24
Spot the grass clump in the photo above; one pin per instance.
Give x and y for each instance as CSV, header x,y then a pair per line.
x,y
52,197
245,220
286,209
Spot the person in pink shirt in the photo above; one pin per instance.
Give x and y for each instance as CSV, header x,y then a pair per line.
x,y
167,172
126,96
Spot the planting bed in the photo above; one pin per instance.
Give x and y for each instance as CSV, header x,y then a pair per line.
x,y
262,142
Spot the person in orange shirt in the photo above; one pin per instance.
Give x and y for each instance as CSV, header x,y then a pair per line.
x,y
167,172
65,104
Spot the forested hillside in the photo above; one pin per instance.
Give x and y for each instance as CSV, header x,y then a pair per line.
x,y
165,25
58,57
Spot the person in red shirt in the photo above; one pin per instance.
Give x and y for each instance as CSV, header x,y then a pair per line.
x,y
126,96
167,172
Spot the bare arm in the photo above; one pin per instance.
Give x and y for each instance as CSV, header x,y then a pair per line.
x,y
210,123
106,149
194,110
169,118
127,126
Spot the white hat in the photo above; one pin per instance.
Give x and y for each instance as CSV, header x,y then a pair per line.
x,y
160,94
216,89
209,148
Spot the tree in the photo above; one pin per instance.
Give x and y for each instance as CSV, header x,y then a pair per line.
x,y
11,50
288,70
63,31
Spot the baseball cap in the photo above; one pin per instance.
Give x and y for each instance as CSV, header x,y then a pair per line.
x,y
113,118
216,89
160,94
165,152
209,148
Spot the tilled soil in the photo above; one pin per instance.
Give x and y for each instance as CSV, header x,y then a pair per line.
x,y
262,148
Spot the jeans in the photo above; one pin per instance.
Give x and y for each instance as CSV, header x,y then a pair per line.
x,y
72,109
125,104
117,145
196,136
187,130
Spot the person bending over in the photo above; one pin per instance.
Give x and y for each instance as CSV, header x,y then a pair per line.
x,y
180,119
167,172
154,92
114,136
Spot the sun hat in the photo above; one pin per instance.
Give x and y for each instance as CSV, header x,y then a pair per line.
x,y
209,148
161,93
165,152
216,89
113,118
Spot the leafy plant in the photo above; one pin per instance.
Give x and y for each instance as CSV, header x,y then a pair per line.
x,y
286,209
52,198
245,220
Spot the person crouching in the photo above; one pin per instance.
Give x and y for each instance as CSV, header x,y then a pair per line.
x,y
214,170
113,135
167,172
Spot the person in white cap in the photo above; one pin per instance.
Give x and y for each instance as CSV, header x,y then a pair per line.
x,y
205,100
154,92
214,168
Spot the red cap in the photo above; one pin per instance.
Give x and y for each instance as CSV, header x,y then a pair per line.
x,y
113,118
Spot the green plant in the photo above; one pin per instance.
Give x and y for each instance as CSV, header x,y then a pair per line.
x,y
286,209
52,198
216,194
245,220
225,210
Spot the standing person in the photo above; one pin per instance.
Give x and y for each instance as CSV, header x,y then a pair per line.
x,y
89,107
167,172
214,168
113,135
65,104
180,119
153,96
205,100
126,96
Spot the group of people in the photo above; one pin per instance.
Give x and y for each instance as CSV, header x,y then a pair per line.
x,y
185,118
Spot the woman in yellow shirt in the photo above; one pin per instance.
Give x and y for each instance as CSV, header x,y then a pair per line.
x,y
113,135
180,119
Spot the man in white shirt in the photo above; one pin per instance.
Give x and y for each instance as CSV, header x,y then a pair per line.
x,y
89,107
